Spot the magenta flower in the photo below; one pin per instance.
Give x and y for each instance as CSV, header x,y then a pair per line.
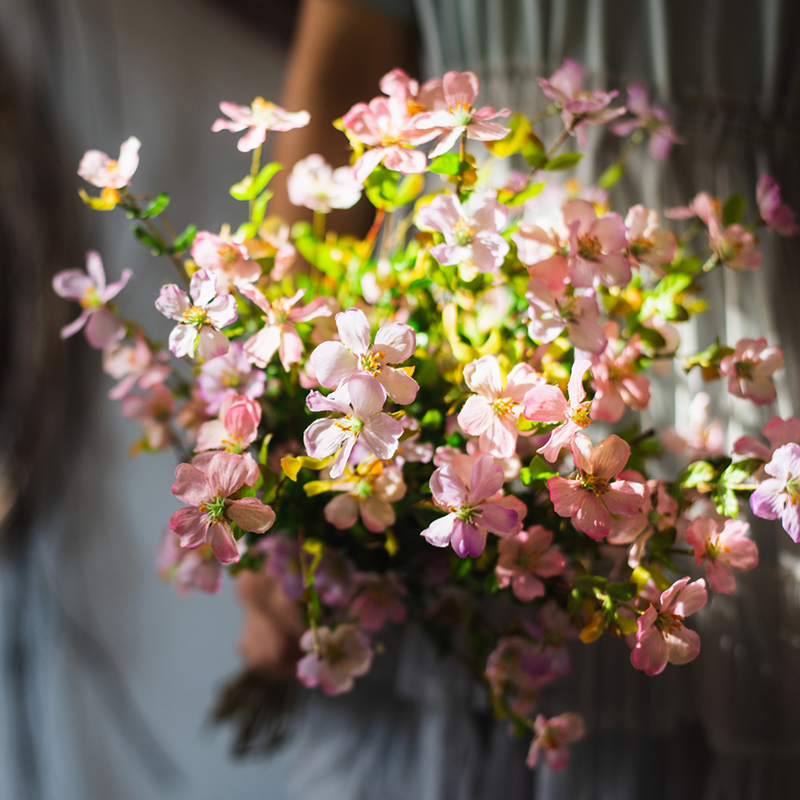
x,y
651,119
336,362
471,232
380,599
775,213
279,333
661,636
594,496
103,327
552,737
461,117
210,510
226,376
101,171
225,258
550,314
345,654
492,412
546,403
257,118
579,107
524,559
723,551
316,185
647,244
779,495
199,321
134,364
749,370
360,400
466,487
369,492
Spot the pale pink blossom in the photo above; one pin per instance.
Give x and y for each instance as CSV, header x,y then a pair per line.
x,y
89,289
526,558
722,550
471,231
153,411
279,333
188,569
379,600
316,185
225,258
466,487
359,400
210,511
274,242
661,636
703,206
257,118
544,253
492,412
651,119
199,321
775,213
345,654
368,493
779,495
412,448
594,495
132,364
550,314
734,246
702,436
749,370
579,107
428,97
228,375
617,383
777,432
552,737
648,244
460,117
337,362
101,171
546,403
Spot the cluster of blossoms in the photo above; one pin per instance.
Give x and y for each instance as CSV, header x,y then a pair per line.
x,y
409,436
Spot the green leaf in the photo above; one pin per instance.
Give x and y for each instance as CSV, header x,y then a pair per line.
x,y
447,164
733,210
725,499
260,208
611,175
697,474
408,189
154,208
184,241
525,194
588,583
622,591
564,161
433,419
519,131
266,174
533,151
148,241
540,470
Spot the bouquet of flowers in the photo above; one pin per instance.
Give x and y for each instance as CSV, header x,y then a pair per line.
x,y
418,429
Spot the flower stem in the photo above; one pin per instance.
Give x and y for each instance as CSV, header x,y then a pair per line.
x,y
255,166
560,139
318,226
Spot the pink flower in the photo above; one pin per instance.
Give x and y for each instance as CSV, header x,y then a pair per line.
x,y
369,492
228,375
471,232
210,510
550,314
379,600
283,563
779,495
777,432
316,185
428,97
592,498
100,170
734,246
153,411
775,213
648,244
360,400
617,384
334,579
661,636
134,364
344,654
197,331
466,487
749,370
545,255
461,117
651,119
547,403
103,327
279,333
188,569
704,436
258,118
492,412
385,126
723,551
579,107
225,258
337,362
552,737
525,558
